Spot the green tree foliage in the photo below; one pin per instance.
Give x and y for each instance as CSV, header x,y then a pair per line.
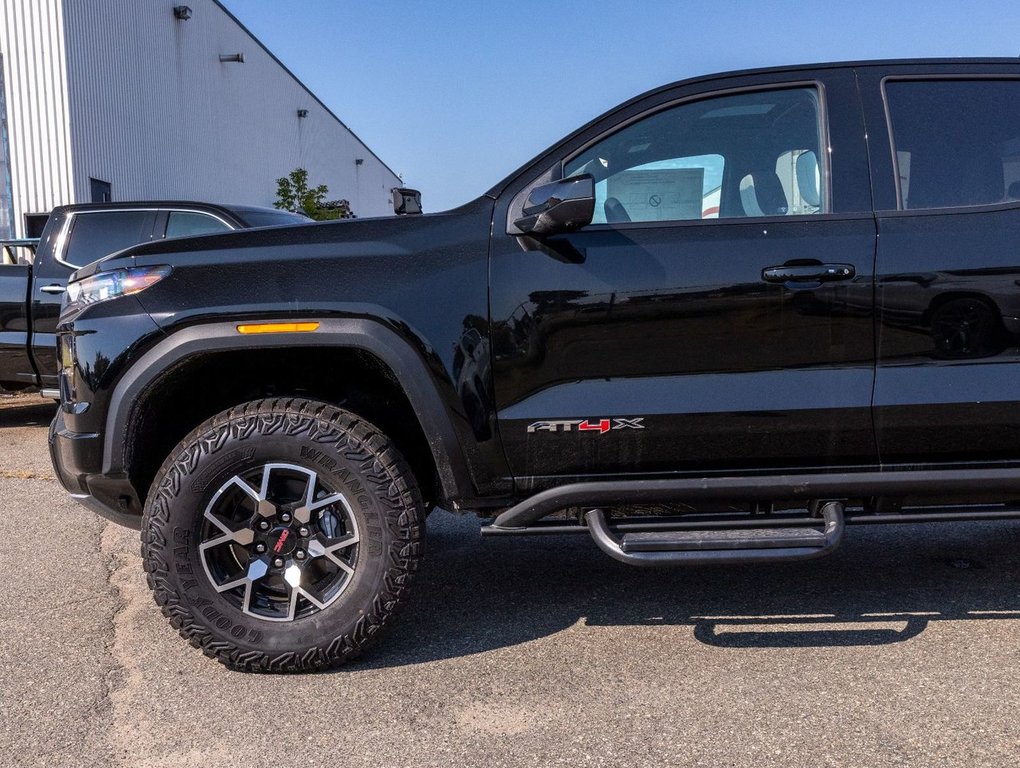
x,y
294,194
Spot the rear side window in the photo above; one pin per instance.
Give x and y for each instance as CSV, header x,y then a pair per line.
x,y
94,235
187,223
273,218
956,142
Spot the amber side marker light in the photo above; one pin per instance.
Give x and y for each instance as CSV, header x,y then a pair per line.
x,y
278,328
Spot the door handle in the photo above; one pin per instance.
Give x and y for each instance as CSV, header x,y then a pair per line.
x,y
53,289
807,273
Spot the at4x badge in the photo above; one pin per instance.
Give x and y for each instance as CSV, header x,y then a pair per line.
x,y
588,425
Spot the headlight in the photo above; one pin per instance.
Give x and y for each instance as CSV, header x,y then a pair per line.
x,y
102,286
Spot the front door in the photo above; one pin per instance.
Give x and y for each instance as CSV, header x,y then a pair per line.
x,y
717,313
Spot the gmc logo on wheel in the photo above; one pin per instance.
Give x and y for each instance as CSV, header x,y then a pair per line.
x,y
601,426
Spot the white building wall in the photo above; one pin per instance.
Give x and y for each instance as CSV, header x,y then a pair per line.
x,y
35,85
141,100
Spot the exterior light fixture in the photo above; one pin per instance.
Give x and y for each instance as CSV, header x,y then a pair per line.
x,y
302,113
182,12
232,57
359,161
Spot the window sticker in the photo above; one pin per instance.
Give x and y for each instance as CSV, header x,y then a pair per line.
x,y
665,195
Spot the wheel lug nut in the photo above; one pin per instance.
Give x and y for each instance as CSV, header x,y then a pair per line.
x,y
260,547
263,525
285,517
299,554
278,562
303,532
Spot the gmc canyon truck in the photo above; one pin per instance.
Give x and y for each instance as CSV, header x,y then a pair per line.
x,y
31,289
722,323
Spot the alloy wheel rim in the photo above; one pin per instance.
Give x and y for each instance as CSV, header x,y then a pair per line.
x,y
278,543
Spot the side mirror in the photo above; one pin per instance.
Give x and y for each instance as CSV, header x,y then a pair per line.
x,y
560,206
406,201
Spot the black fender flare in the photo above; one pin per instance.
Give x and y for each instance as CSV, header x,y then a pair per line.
x,y
410,369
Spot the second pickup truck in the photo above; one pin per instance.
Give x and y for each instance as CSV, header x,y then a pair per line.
x,y
76,235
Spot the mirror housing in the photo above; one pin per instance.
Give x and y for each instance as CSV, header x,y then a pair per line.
x,y
406,202
560,206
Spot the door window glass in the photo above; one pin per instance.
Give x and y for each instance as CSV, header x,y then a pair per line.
x,y
186,223
957,142
751,154
94,235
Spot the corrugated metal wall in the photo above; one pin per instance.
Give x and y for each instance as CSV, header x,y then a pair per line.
x,y
150,109
35,82
155,112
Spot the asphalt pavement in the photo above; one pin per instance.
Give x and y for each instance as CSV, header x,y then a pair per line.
x,y
903,648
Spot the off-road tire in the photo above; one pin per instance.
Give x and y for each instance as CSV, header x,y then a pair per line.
x,y
340,447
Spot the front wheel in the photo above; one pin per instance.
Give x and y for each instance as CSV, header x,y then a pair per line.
x,y
282,535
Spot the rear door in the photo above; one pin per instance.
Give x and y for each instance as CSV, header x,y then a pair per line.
x,y
945,146
691,325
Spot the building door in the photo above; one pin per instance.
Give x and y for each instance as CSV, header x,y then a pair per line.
x,y
102,191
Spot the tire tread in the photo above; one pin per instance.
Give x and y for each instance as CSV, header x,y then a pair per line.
x,y
383,467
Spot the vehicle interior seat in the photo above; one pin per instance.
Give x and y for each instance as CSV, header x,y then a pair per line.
x,y
615,212
748,200
761,194
808,180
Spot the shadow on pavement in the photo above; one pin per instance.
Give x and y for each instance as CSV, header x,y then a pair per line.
x,y
22,412
884,586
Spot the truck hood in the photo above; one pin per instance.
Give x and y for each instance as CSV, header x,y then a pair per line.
x,y
260,242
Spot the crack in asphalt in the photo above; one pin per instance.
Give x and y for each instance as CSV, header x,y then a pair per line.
x,y
107,721
126,677
117,675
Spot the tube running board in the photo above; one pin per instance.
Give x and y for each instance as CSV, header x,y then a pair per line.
x,y
804,487
734,545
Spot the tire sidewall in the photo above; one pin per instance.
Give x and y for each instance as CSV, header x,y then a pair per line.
x,y
203,464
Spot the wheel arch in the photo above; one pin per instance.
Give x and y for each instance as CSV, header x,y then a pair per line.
x,y
395,361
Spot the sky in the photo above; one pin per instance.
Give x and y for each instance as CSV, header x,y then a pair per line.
x,y
455,95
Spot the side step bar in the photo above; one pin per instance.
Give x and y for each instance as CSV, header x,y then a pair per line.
x,y
741,545
749,488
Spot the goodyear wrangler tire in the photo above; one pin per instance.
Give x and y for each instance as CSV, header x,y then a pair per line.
x,y
282,535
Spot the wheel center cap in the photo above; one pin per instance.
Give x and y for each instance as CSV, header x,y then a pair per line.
x,y
282,541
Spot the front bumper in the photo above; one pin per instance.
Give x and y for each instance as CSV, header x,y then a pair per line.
x,y
77,460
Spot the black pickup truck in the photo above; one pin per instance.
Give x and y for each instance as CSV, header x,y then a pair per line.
x,y
31,289
720,323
